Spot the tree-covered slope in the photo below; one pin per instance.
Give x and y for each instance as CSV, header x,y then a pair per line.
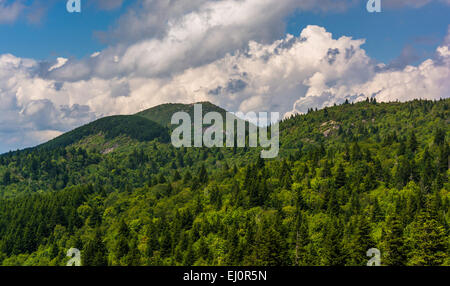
x,y
348,178
134,127
162,114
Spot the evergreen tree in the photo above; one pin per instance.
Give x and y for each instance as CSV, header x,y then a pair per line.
x,y
302,241
429,243
95,252
269,249
341,177
333,250
394,250
412,143
203,175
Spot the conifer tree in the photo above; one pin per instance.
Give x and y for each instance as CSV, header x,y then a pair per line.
x,y
333,250
341,177
95,252
429,242
394,250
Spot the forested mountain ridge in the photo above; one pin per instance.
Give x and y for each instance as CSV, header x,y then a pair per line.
x,y
162,114
348,178
132,126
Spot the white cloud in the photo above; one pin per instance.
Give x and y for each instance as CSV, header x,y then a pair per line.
x,y
33,106
230,52
160,38
59,63
9,12
288,75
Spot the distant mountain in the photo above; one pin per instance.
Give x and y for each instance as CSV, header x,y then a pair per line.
x,y
147,125
134,127
162,114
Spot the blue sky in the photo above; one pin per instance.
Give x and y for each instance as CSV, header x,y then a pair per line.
x,y
59,70
59,33
387,33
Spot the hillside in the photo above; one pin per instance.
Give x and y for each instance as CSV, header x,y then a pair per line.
x,y
348,178
134,127
162,114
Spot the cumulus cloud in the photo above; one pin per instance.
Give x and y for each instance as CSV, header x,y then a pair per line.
x,y
289,75
159,38
230,52
156,18
149,17
59,63
32,107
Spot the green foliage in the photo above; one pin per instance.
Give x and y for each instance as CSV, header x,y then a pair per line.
x,y
134,127
353,177
162,114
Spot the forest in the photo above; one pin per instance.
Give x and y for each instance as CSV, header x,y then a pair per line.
x,y
348,178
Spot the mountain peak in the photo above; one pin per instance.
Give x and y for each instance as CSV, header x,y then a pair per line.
x,y
162,114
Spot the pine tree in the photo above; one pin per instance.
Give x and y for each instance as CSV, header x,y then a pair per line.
x,y
341,177
189,258
187,177
270,249
133,257
333,250
203,175
429,243
412,143
361,242
285,176
176,176
326,171
261,163
122,247
356,152
6,178
152,242
216,198
302,241
439,136
394,251
95,252
237,197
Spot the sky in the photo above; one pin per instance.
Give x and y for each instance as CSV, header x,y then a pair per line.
x,y
60,70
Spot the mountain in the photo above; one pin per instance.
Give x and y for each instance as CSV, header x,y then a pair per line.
x,y
147,125
162,114
134,127
348,178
